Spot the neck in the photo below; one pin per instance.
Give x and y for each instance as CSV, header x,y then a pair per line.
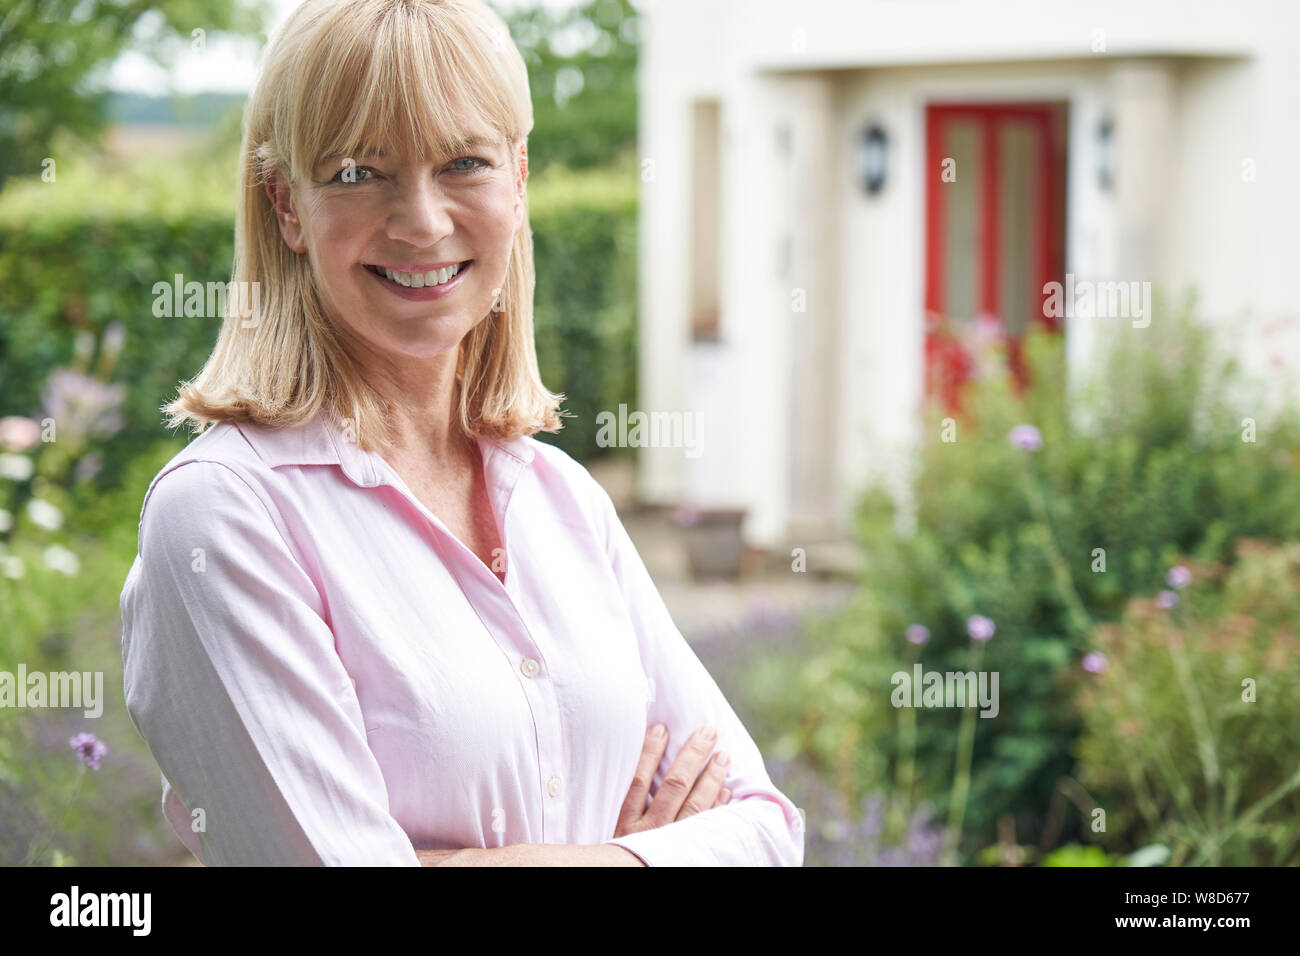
x,y
421,396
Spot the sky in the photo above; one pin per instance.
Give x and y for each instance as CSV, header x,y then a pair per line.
x,y
225,65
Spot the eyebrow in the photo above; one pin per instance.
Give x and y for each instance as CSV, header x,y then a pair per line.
x,y
445,149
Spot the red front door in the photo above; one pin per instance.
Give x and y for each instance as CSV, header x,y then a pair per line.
x,y
995,214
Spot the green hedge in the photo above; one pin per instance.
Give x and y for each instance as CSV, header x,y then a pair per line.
x,y
62,275
584,237
83,252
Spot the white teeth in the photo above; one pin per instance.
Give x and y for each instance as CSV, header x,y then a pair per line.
x,y
419,280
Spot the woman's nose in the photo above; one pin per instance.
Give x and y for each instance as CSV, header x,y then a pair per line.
x,y
422,215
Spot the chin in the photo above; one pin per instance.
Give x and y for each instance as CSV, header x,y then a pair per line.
x,y
427,342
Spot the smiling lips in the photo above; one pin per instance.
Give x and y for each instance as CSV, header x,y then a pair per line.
x,y
414,277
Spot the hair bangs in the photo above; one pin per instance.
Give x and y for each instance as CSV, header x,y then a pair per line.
x,y
411,79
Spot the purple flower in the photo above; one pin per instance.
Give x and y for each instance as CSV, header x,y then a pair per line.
x,y
918,634
88,467
89,748
83,407
979,627
1178,577
873,819
763,614
1166,599
685,515
1094,662
1027,437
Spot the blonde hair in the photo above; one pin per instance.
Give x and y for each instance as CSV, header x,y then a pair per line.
x,y
343,77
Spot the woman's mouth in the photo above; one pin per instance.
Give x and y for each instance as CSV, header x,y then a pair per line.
x,y
421,280
422,286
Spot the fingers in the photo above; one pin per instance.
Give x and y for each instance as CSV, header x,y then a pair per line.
x,y
652,751
680,779
708,789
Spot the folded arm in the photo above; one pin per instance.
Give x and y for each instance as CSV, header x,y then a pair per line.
x,y
759,826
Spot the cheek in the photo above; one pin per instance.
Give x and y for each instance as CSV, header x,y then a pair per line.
x,y
493,214
337,249
339,235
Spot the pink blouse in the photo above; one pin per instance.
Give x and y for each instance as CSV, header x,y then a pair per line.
x,y
327,675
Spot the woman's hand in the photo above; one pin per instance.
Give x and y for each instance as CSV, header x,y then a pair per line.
x,y
684,791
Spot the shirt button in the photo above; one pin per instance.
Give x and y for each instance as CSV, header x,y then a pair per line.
x,y
553,786
530,667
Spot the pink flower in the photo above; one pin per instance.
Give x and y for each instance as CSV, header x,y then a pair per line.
x,y
979,627
985,332
1027,437
1166,599
918,634
18,434
1094,662
1178,577
89,748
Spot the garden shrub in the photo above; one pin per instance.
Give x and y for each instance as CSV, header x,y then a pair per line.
x,y
1189,716
63,616
1144,467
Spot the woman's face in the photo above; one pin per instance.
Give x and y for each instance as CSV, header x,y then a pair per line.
x,y
363,219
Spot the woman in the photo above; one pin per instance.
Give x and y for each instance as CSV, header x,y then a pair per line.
x,y
372,619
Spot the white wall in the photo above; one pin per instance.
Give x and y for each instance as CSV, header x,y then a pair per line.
x,y
1195,91
677,64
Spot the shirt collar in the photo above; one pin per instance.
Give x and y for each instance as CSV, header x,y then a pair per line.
x,y
324,441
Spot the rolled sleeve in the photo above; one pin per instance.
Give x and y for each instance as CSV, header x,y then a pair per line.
x,y
760,826
232,679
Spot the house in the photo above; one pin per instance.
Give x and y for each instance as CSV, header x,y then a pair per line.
x,y
825,182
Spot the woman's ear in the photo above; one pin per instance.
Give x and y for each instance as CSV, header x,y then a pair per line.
x,y
281,196
521,194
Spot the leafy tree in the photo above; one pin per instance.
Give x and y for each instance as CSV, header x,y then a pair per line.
x,y
54,52
582,70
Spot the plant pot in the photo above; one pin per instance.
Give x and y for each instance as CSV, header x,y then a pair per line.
x,y
714,544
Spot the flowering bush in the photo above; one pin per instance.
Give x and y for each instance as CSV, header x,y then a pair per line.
x,y
61,619
1190,729
881,831
1045,518
65,548
41,461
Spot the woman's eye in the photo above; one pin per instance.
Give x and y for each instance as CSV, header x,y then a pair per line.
x,y
352,174
471,159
